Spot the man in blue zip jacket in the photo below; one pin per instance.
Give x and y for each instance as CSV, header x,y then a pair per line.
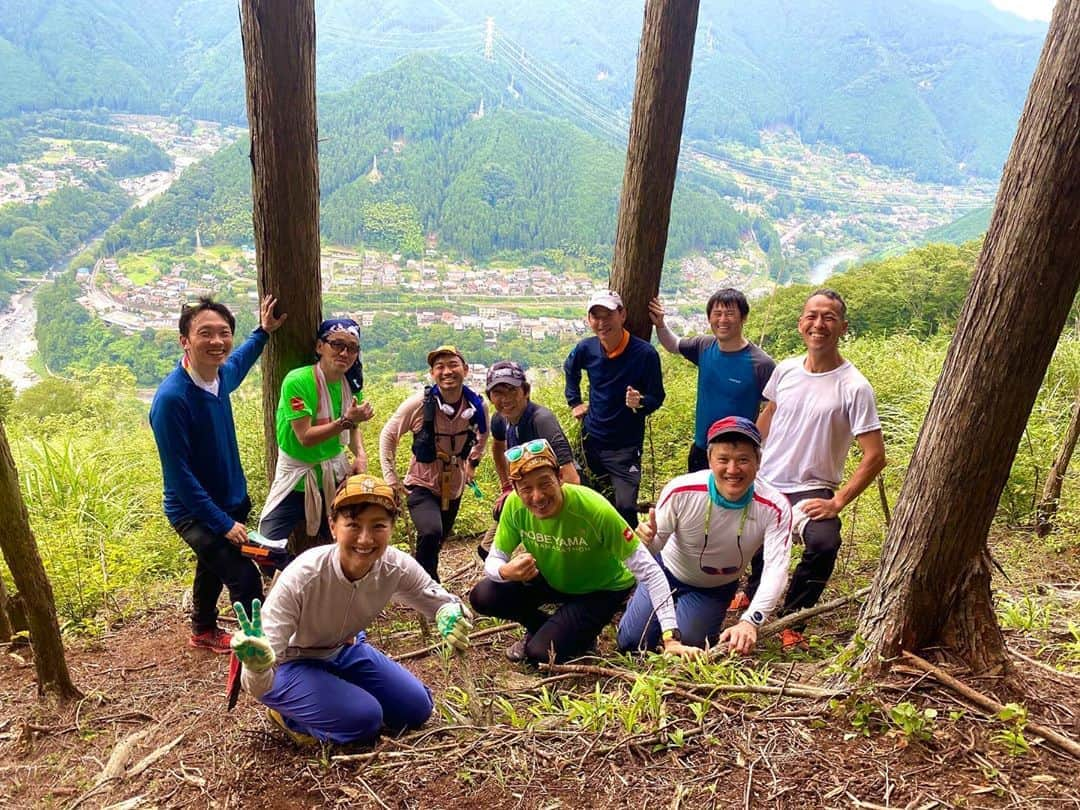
x,y
206,498
625,386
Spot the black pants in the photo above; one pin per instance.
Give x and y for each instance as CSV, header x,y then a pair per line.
x,y
821,539
570,631
623,466
288,514
696,459
218,563
432,526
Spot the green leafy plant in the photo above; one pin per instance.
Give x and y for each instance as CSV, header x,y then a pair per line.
x,y
1012,738
911,723
1026,613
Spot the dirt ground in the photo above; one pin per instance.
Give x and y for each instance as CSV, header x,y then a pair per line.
x,y
156,710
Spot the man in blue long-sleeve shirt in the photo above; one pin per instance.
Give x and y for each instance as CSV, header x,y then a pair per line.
x,y
206,497
624,387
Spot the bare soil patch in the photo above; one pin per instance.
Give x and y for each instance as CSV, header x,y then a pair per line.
x,y
741,751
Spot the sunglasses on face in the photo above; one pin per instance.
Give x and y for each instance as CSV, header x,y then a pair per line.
x,y
341,347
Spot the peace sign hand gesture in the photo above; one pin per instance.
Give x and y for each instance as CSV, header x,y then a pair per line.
x,y
249,644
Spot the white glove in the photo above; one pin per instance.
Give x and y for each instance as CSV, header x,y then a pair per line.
x,y
799,519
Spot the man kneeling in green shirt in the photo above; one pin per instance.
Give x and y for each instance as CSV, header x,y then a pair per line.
x,y
579,554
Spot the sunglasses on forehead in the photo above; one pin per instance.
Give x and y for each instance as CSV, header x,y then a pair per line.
x,y
533,448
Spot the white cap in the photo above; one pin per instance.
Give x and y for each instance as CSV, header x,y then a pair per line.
x,y
607,299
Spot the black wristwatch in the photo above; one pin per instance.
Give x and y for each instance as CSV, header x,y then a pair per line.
x,y
346,424
671,635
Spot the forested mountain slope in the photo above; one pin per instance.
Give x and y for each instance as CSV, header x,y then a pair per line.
x,y
512,180
920,84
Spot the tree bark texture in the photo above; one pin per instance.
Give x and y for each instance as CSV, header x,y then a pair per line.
x,y
22,558
1048,506
6,630
652,155
933,584
279,66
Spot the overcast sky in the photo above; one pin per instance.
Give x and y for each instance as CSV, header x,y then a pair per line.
x,y
1028,9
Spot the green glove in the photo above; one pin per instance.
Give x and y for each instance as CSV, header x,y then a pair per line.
x,y
453,624
249,644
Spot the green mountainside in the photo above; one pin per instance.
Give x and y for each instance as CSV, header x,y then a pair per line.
x,y
511,181
935,87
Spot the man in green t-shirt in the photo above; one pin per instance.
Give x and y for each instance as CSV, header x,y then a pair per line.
x,y
578,554
318,415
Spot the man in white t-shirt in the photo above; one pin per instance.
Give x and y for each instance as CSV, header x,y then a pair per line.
x,y
816,404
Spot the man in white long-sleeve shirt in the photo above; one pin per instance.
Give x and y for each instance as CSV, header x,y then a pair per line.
x,y
579,554
706,527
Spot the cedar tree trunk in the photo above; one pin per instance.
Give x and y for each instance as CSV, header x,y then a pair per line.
x,y
6,630
933,585
279,66
1048,506
652,155
22,558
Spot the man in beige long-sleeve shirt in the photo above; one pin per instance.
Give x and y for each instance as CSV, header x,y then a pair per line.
x,y
449,426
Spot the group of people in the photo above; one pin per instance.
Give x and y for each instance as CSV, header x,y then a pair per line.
x,y
765,466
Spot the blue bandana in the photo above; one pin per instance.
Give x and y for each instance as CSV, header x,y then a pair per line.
x,y
355,375
720,500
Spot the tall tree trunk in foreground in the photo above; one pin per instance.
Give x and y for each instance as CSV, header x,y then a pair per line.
x,y
652,155
22,558
279,66
933,585
1048,506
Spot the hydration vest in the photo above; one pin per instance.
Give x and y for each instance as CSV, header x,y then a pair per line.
x,y
425,440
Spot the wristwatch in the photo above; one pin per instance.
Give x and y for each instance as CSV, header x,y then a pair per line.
x,y
346,424
671,635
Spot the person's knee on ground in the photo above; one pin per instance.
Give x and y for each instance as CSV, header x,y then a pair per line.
x,y
411,709
484,598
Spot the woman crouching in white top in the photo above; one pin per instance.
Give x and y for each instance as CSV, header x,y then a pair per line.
x,y
305,655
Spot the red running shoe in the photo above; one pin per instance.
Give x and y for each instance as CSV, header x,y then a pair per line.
x,y
793,640
216,641
739,602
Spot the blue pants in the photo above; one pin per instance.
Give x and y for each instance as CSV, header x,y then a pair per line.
x,y
350,697
699,611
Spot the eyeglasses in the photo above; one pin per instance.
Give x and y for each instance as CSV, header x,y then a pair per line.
x,y
533,448
341,347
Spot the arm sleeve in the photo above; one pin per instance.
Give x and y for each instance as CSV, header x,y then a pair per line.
x,y
652,383
777,553
651,577
668,339
507,535
690,348
862,411
769,391
763,369
280,619
667,521
292,402
547,425
173,432
572,371
496,559
498,428
419,591
396,426
242,359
